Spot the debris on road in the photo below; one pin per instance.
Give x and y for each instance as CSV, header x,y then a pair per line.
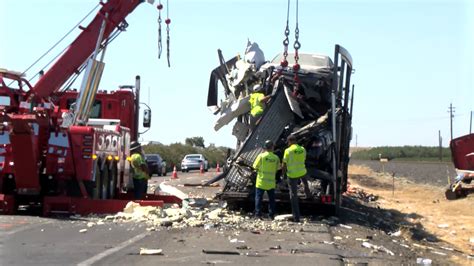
x,y
283,217
439,253
172,191
82,230
254,254
220,252
358,193
328,242
201,212
423,261
345,226
377,248
146,251
195,202
235,240
397,233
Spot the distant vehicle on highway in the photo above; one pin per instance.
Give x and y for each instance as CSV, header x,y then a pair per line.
x,y
193,162
156,164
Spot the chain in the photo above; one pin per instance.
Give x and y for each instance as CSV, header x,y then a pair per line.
x,y
160,45
168,21
286,41
297,46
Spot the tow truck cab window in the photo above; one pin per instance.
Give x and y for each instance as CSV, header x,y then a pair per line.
x,y
96,111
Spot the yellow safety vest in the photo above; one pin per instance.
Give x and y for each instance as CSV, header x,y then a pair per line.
x,y
136,162
256,105
266,164
295,157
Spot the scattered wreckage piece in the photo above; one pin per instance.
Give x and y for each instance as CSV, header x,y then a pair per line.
x,y
462,150
220,252
146,251
315,107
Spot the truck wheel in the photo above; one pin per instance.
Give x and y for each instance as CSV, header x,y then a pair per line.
x,y
104,186
95,191
112,181
450,194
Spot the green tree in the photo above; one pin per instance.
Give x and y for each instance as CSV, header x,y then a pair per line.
x,y
195,142
175,152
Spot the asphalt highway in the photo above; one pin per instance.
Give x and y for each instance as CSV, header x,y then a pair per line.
x,y
67,240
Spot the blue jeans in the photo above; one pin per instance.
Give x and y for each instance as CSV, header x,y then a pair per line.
x,y
140,187
258,202
295,205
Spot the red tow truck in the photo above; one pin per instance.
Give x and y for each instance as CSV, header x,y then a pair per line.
x,y
67,151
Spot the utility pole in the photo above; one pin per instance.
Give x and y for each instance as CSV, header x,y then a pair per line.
x,y
440,139
451,116
470,125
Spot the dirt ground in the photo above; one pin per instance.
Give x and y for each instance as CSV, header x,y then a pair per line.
x,y
424,213
433,173
380,229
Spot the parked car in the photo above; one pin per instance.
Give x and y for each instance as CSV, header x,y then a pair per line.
x,y
193,162
156,164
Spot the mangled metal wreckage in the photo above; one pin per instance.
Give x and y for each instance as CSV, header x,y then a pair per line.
x,y
314,104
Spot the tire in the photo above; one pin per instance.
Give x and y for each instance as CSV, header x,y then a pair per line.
x,y
450,194
113,178
94,190
105,180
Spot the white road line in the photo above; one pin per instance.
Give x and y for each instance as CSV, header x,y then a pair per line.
x,y
23,228
110,251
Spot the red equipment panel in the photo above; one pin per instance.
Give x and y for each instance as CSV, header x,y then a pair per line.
x,y
462,150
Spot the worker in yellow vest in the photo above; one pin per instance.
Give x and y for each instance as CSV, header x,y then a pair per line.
x,y
257,104
266,164
294,167
140,170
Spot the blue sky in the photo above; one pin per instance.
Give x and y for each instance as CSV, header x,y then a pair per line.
x,y
412,58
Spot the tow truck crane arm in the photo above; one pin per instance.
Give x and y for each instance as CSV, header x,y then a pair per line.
x,y
114,12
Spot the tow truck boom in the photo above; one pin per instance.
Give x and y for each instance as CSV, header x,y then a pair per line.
x,y
114,13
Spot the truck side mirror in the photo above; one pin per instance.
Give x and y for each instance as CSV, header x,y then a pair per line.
x,y
147,118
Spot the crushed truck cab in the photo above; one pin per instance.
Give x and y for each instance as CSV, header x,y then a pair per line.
x,y
314,104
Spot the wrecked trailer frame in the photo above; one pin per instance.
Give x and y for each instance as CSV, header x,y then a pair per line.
x,y
318,111
462,153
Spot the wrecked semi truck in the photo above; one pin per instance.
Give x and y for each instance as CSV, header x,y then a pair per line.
x,y
313,103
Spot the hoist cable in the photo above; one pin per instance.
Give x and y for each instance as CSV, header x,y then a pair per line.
x,y
56,44
168,21
160,43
